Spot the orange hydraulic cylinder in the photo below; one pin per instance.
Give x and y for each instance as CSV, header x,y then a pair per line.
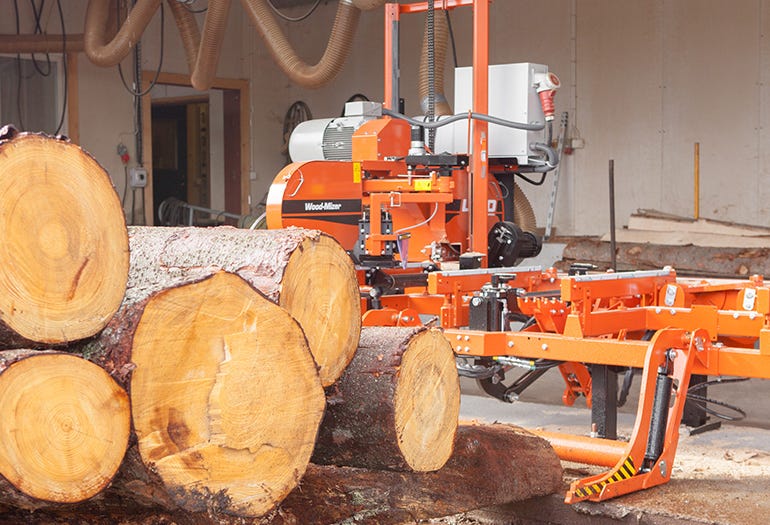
x,y
581,449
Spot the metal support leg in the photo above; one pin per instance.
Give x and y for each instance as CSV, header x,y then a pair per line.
x,y
650,453
604,402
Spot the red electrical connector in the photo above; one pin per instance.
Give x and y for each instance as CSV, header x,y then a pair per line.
x,y
546,89
123,153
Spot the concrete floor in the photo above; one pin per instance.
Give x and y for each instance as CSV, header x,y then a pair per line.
x,y
721,476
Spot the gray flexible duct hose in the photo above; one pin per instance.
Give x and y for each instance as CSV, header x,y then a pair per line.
x,y
523,214
441,40
337,50
463,116
106,54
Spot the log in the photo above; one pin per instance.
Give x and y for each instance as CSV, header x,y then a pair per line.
x,y
396,406
490,465
306,272
64,255
226,397
65,428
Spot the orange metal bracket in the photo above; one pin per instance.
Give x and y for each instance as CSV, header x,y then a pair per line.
x,y
670,352
391,317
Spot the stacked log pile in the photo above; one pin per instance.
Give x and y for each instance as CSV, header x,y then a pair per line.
x,y
242,355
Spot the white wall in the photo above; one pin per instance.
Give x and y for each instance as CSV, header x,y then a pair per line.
x,y
642,79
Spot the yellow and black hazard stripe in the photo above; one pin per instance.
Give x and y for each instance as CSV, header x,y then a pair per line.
x,y
626,470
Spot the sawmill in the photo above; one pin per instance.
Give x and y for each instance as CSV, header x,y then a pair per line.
x,y
508,257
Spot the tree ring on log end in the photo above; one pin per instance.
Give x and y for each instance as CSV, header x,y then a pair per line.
x,y
320,289
427,401
65,427
64,256
226,396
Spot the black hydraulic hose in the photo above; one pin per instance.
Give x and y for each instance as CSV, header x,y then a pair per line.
x,y
461,116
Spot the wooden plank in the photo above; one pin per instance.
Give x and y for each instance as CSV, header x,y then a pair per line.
x,y
684,238
682,224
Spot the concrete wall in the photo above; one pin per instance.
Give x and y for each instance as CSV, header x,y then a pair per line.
x,y
642,79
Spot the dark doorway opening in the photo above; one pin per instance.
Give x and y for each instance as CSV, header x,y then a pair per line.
x,y
180,153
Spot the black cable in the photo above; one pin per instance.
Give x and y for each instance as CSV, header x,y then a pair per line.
x,y
293,19
160,61
64,66
451,35
39,31
431,35
532,181
18,69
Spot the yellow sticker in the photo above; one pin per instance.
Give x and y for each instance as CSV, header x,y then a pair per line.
x,y
356,172
423,185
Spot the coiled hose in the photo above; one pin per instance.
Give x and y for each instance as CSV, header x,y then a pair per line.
x,y
202,52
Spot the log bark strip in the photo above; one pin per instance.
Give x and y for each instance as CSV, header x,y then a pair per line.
x,y
396,406
65,428
490,465
305,271
64,251
226,397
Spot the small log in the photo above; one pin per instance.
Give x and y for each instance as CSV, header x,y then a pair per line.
x,y
226,397
396,406
64,254
490,465
306,272
65,428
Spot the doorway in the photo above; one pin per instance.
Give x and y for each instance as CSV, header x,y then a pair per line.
x,y
180,153
199,152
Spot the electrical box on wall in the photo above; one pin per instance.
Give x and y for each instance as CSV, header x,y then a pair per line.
x,y
512,96
137,177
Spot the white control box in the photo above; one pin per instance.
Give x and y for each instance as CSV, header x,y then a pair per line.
x,y
512,96
137,177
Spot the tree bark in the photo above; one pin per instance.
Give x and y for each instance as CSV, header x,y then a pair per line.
x,y
64,251
490,465
306,272
395,406
65,428
226,398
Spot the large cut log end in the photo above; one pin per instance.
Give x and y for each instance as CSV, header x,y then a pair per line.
x,y
427,401
226,396
65,425
320,290
396,406
64,255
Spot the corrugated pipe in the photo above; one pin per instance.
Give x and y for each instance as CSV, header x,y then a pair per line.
x,y
523,214
107,54
188,32
441,40
202,76
337,50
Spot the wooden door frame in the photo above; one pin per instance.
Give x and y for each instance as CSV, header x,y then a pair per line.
x,y
175,79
